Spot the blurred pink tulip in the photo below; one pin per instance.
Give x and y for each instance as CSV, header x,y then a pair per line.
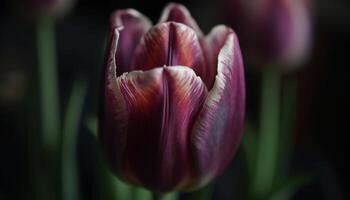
x,y
172,102
275,32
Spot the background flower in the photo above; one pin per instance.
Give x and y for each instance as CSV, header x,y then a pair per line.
x,y
274,32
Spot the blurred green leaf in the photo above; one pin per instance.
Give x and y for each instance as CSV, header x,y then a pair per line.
x,y
140,193
286,191
69,141
91,124
204,193
170,196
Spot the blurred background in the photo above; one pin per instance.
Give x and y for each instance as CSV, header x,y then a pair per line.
x,y
319,138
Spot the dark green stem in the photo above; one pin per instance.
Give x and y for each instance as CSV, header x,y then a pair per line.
x,y
70,186
48,179
288,117
47,70
269,133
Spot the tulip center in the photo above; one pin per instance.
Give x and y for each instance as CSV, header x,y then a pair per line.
x,y
170,44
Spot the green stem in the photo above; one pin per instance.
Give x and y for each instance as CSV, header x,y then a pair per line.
x,y
49,109
69,142
269,130
289,106
48,84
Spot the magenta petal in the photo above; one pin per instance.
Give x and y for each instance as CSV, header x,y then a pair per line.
x,y
170,44
134,26
178,13
216,133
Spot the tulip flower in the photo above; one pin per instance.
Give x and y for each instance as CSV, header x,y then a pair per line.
x,y
172,102
275,32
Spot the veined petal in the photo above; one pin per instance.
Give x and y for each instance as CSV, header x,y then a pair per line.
x,y
134,25
215,40
217,131
170,44
179,13
160,106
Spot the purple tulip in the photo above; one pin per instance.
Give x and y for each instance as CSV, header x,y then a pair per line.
x,y
173,101
273,31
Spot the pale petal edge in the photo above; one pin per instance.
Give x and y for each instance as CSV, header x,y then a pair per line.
x,y
115,19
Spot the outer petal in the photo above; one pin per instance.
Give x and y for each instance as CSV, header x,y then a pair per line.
x,y
135,25
170,44
214,43
110,108
160,106
179,13
217,131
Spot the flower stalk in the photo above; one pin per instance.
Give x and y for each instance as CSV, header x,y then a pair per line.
x,y
47,69
49,106
269,133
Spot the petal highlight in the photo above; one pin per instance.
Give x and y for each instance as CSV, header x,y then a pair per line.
x,y
178,13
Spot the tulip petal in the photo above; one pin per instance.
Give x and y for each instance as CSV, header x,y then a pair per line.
x,y
109,108
135,25
161,105
170,44
178,13
215,40
158,109
217,131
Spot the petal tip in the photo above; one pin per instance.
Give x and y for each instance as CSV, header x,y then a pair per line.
x,y
179,13
116,18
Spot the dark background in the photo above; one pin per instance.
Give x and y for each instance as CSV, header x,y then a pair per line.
x,y
321,136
